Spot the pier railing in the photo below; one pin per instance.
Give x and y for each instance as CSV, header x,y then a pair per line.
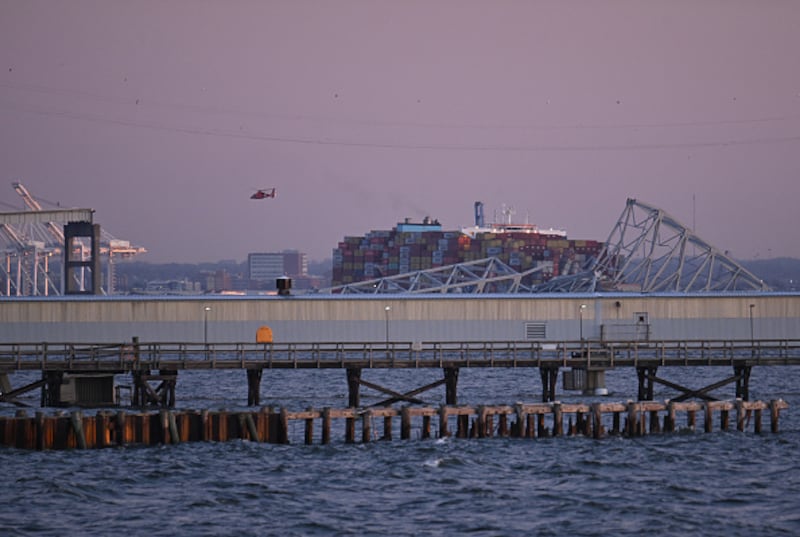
x,y
137,356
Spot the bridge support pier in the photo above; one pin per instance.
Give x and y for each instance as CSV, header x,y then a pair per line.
x,y
549,376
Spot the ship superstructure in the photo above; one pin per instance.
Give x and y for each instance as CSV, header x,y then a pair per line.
x,y
413,246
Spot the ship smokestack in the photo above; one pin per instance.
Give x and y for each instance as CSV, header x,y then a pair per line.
x,y
479,214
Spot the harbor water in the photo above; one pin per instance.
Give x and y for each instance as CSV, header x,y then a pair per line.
x,y
688,483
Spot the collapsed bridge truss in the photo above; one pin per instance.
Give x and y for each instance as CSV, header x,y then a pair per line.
x,y
647,251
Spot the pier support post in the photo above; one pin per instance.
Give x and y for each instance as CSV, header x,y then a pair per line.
x,y
549,376
405,423
669,421
326,425
443,432
451,383
558,420
51,390
520,430
774,413
646,376
309,430
387,428
353,385
597,421
366,426
740,415
254,387
742,374
633,415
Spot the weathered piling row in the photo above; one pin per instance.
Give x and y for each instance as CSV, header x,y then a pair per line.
x,y
106,429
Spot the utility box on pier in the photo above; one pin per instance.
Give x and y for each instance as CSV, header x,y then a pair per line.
x,y
588,381
88,390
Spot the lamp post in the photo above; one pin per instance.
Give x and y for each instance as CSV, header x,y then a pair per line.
x,y
387,309
205,324
580,312
752,333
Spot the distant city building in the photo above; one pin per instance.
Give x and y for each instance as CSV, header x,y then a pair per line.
x,y
166,287
264,268
411,247
222,280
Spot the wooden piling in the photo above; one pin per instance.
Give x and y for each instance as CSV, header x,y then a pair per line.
x,y
426,427
76,419
670,418
102,431
541,428
120,424
597,418
62,431
502,427
522,422
326,425
309,429
40,428
172,426
205,425
774,414
405,423
443,415
740,414
366,426
350,430
267,424
462,426
283,437
632,429
387,428
558,420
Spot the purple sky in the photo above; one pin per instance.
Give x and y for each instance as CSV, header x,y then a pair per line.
x,y
164,116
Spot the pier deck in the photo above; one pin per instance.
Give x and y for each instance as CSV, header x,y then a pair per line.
x,y
136,356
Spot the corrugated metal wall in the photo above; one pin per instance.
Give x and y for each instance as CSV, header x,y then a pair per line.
x,y
409,318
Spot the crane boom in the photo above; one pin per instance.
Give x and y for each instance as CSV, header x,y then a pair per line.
x,y
29,200
34,205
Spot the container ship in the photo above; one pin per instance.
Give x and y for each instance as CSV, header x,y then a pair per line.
x,y
414,246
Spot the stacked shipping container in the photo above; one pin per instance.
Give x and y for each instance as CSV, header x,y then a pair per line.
x,y
412,247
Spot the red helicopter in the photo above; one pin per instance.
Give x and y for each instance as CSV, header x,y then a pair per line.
x,y
263,194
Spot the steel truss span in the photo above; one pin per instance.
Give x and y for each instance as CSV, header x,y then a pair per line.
x,y
651,251
648,251
489,275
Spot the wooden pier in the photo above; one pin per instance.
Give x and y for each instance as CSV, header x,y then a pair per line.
x,y
154,367
538,420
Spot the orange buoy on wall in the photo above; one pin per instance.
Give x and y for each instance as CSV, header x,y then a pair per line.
x,y
264,334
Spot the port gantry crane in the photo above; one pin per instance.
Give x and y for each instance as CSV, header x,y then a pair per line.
x,y
32,239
